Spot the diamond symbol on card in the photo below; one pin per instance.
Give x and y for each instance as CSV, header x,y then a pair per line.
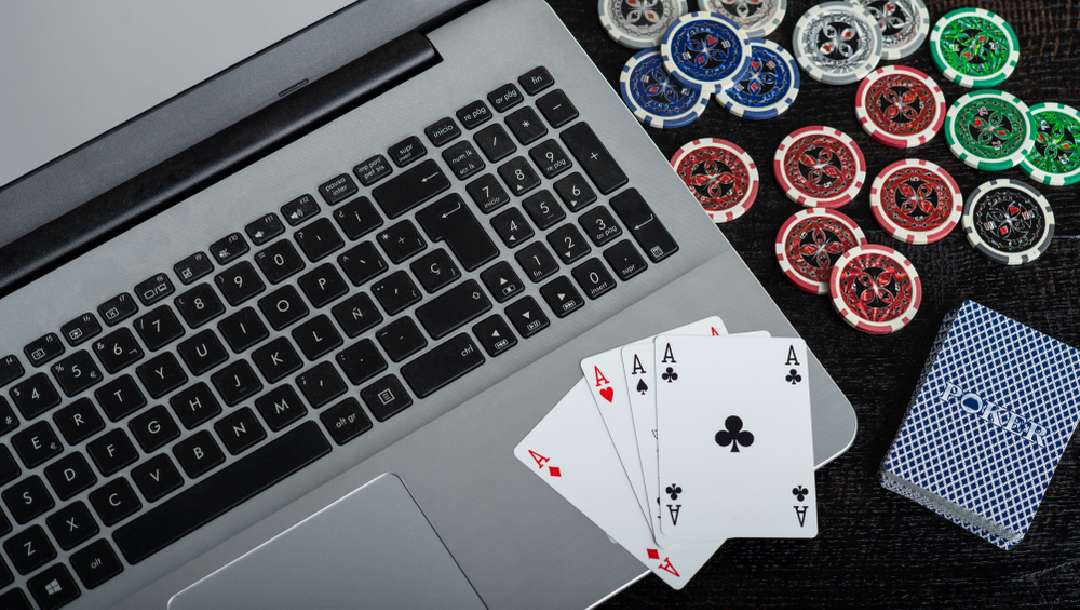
x,y
653,553
555,471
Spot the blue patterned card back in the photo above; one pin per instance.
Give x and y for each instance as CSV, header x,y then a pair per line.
x,y
993,413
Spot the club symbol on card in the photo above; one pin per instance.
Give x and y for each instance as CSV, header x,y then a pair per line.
x,y
800,493
673,490
642,387
793,377
669,375
734,435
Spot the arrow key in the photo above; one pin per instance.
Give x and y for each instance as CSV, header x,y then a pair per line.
x,y
561,295
495,335
502,282
527,317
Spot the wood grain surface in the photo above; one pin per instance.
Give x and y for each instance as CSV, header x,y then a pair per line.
x,y
877,549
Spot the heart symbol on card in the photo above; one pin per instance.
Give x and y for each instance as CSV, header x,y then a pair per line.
x,y
607,393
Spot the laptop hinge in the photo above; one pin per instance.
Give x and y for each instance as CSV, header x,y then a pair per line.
x,y
304,109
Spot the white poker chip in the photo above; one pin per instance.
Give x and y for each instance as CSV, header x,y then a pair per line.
x,y
705,50
837,43
756,17
916,201
639,24
904,25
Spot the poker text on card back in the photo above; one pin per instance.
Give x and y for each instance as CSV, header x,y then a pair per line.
x,y
994,413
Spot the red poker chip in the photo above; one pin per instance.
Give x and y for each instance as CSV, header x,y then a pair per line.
x,y
819,167
916,201
809,244
875,289
900,106
720,174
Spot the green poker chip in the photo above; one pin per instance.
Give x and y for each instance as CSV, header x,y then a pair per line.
x,y
974,47
990,130
1055,158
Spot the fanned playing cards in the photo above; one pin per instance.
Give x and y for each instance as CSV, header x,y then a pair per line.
x,y
674,443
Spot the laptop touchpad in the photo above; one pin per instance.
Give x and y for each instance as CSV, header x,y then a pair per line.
x,y
371,549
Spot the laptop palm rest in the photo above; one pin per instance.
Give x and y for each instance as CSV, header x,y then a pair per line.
x,y
373,548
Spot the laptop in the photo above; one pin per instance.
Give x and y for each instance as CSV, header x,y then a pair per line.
x,y
378,246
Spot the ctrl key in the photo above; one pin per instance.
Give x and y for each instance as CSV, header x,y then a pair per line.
x,y
345,421
53,587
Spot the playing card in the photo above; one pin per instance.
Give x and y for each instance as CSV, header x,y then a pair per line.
x,y
640,375
563,450
736,452
604,374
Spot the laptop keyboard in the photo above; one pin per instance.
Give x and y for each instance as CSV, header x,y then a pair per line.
x,y
390,267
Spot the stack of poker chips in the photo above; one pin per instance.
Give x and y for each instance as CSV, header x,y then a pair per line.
x,y
994,411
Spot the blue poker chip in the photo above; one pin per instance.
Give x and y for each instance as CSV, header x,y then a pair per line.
x,y
706,50
656,99
766,87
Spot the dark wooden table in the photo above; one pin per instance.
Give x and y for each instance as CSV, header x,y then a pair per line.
x,y
877,549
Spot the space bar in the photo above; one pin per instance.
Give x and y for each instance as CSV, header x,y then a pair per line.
x,y
210,498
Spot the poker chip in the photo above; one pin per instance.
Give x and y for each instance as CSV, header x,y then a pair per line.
x,y
656,99
809,244
916,201
900,106
819,167
990,130
705,49
1055,158
720,174
904,25
766,87
837,43
639,24
755,17
1008,221
974,47
875,289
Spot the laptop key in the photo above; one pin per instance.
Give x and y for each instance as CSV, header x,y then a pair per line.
x,y
154,289
444,364
78,421
592,155
474,114
488,193
112,451
320,384
120,397
593,278
300,210
194,267
495,143
625,260
519,176
395,292
345,421
316,337
318,239
279,261
53,587
453,309
536,261
512,228
526,125
114,501
599,225
197,454
495,335
282,308
557,108
505,97
202,352
276,360
34,395
264,228
8,420
199,305
244,328
159,327
195,405
361,361
280,407
502,282
356,314
401,339
435,270
27,499
361,263
43,349
401,241
228,248
463,159
239,283
386,397
204,501
568,243
76,372
12,599
36,444
575,192
536,80
10,369
118,309
72,525
29,549
322,285
69,475
450,221
161,374
154,428
527,317
357,218
157,477
407,151
442,131
410,188
239,430
543,209
338,189
372,169
562,297
550,158
9,469
96,564
236,382
646,228
81,329
118,350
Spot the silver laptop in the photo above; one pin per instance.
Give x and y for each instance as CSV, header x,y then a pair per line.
x,y
380,245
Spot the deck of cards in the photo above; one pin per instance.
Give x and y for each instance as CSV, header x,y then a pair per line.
x,y
675,443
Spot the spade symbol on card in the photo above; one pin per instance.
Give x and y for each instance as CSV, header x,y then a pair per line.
x,y
734,435
642,387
